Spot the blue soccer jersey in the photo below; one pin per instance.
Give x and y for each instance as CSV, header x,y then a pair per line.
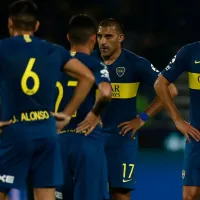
x,y
126,74
29,69
66,86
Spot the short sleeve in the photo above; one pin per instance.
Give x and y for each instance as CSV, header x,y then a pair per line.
x,y
147,72
101,73
179,64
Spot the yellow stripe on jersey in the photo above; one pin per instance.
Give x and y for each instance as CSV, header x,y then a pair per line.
x,y
119,90
72,83
194,80
124,90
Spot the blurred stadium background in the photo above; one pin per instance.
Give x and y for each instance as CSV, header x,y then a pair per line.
x,y
156,30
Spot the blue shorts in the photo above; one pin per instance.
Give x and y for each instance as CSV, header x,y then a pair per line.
x,y
191,165
85,170
40,160
121,153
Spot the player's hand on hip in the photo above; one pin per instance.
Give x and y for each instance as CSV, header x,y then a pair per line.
x,y
4,124
132,125
61,120
88,124
188,130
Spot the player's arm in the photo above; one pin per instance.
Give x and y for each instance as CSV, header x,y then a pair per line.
x,y
157,105
104,96
3,124
148,74
85,80
170,74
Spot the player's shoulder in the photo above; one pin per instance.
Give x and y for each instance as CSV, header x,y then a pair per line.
x,y
52,45
6,44
96,54
59,50
6,41
191,47
57,46
88,60
134,58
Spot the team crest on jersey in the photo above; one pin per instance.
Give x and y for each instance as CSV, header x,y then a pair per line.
x,y
120,71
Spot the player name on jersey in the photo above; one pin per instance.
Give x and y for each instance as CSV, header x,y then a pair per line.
x,y
31,116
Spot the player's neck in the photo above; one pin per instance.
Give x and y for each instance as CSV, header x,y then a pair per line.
x,y
21,33
111,59
80,49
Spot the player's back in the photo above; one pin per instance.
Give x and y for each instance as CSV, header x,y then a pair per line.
x,y
78,152
29,69
66,87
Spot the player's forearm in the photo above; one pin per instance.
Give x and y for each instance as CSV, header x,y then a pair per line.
x,y
163,93
155,107
80,93
100,105
157,104
102,100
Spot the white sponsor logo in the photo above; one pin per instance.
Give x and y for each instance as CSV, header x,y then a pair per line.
x,y
105,73
183,174
154,69
59,195
7,179
167,68
173,60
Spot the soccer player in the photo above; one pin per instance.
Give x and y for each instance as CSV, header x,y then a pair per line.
x,y
127,70
84,161
186,60
29,69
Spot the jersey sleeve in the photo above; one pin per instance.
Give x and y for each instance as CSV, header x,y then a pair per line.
x,y
147,72
101,73
178,65
65,56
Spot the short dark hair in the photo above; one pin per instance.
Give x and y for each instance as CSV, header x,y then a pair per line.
x,y
112,22
23,14
81,28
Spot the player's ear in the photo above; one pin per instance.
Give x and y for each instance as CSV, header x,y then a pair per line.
x,y
68,38
10,23
37,26
93,38
121,38
10,26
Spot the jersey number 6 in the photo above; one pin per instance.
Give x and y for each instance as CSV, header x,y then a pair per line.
x,y
30,74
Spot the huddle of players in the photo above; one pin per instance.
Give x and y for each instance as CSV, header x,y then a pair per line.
x,y
30,70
